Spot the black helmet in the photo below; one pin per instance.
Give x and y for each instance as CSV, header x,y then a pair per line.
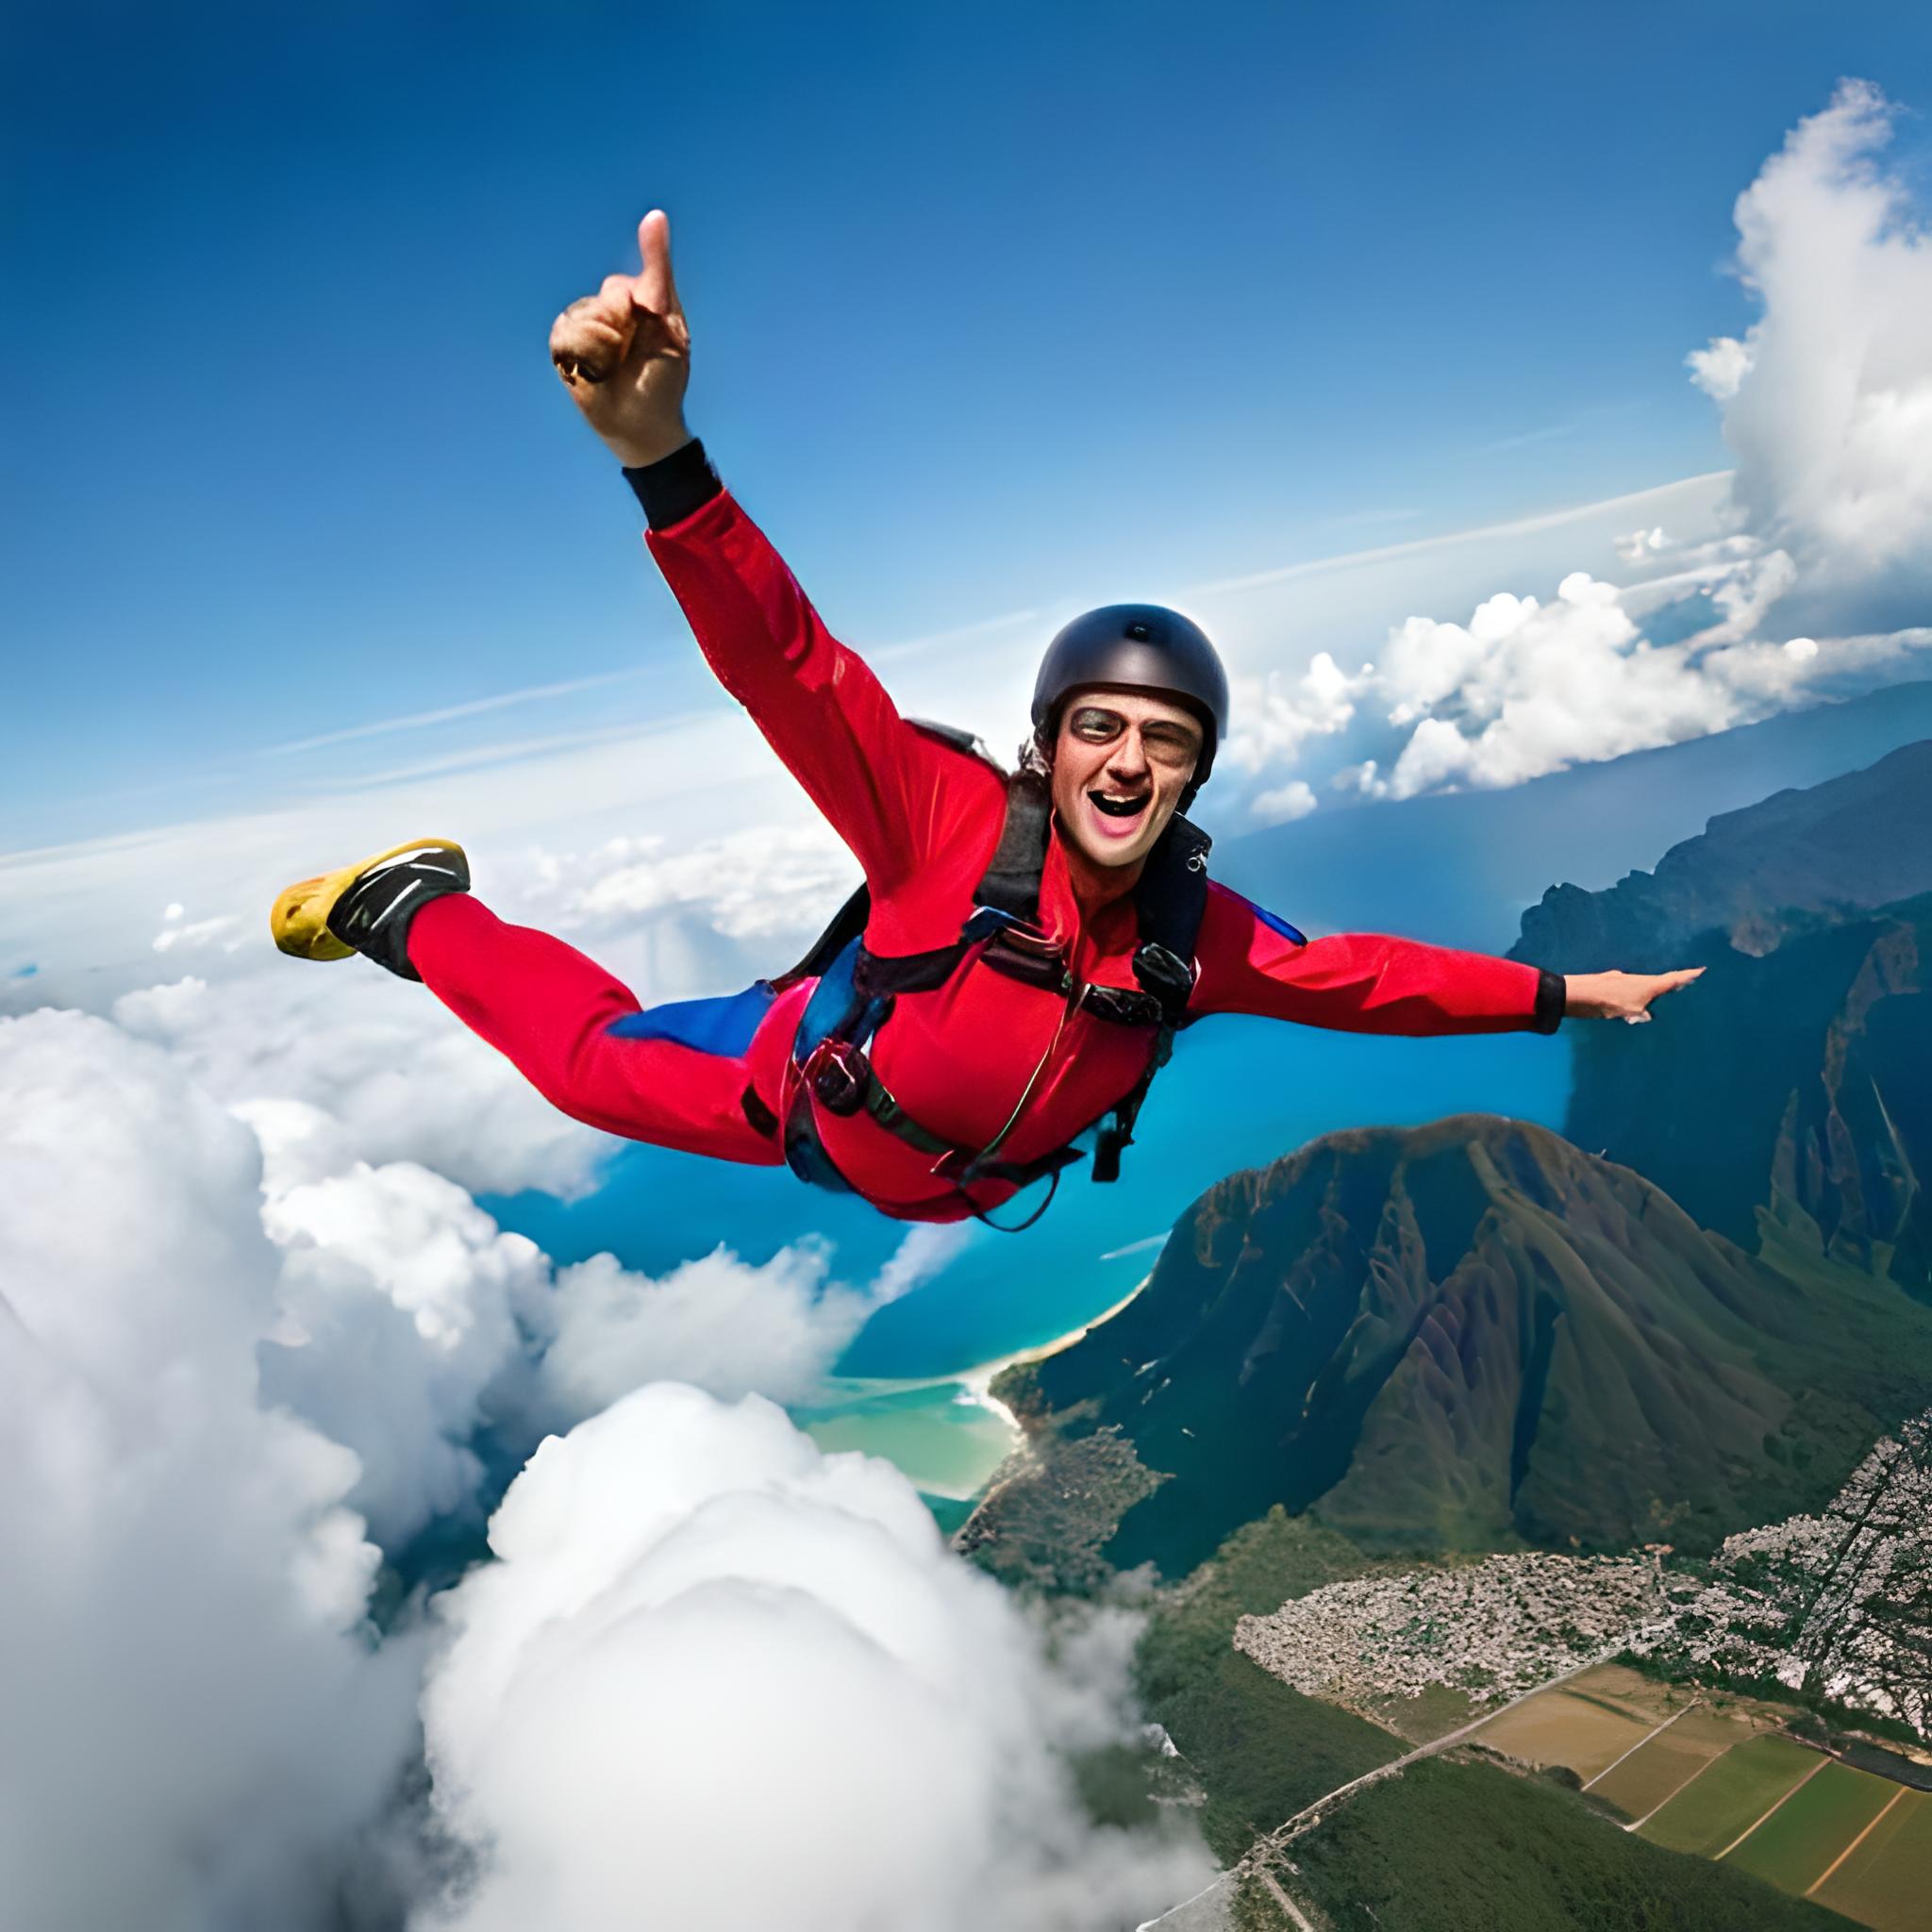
x,y
1145,647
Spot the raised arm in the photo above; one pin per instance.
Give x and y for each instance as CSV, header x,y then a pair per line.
x,y
893,793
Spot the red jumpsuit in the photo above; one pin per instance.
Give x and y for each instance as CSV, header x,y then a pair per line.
x,y
922,819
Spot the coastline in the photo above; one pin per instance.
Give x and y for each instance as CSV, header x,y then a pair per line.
x,y
949,1434
979,1381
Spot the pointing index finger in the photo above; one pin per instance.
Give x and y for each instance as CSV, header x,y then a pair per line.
x,y
654,289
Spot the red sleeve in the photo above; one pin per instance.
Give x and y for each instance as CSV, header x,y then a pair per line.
x,y
1359,982
894,795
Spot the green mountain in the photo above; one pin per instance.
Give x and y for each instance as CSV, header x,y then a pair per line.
x,y
1790,864
1471,1334
1795,1077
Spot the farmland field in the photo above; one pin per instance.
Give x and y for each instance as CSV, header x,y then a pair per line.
x,y
1796,1844
1653,1772
1886,1881
1724,1799
1629,1692
1560,1728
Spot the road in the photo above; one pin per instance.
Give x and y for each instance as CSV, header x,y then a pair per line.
x,y
1256,1858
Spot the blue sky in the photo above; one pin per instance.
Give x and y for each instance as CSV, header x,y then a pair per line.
x,y
993,306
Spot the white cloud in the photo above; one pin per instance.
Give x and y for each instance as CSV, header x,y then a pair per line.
x,y
1640,545
397,1303
728,1326
1287,801
195,1725
1828,401
1720,369
715,1680
1272,717
1830,397
409,1324
180,933
402,1078
766,881
695,1618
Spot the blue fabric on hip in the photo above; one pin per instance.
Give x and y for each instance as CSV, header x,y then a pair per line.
x,y
724,1025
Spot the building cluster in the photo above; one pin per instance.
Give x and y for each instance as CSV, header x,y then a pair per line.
x,y
1838,1604
1492,1629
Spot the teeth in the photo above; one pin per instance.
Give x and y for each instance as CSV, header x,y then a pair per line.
x,y
1117,808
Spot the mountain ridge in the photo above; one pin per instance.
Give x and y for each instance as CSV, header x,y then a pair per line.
x,y
1474,1335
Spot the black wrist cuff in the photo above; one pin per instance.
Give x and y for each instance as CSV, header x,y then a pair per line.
x,y
1550,995
674,486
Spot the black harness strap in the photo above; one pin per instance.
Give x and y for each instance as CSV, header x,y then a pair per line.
x,y
1170,899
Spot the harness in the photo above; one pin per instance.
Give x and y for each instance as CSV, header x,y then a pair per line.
x,y
857,988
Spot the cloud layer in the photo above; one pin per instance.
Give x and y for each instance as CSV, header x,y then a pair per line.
x,y
715,1678
225,1342
193,1724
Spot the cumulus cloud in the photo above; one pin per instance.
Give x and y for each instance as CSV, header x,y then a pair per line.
x,y
691,1620
1294,800
1822,575
401,1077
1828,401
717,1680
195,1724
1720,369
414,1330
730,1327
1274,715
764,882
397,1314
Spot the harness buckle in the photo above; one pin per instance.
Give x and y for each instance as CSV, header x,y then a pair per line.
x,y
837,1073
1019,950
1164,973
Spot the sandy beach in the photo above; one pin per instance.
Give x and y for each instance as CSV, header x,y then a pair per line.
x,y
947,1433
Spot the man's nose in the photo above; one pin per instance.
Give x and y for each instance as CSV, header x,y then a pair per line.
x,y
1129,760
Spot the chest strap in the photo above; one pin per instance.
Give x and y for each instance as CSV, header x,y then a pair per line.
x,y
857,988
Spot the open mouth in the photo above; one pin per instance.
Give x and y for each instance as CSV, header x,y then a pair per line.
x,y
1130,808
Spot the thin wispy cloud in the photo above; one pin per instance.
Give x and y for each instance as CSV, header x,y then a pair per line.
x,y
917,646
1521,526
475,755
417,720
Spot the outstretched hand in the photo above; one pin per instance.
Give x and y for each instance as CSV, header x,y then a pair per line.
x,y
1619,996
625,354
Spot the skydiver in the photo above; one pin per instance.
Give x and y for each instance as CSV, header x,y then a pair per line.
x,y
1025,947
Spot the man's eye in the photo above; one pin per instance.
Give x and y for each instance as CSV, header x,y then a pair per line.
x,y
1097,726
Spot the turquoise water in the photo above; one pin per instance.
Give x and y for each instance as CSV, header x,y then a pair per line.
x,y
1240,1093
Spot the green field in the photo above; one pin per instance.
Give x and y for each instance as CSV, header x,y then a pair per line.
x,y
1887,1880
1725,1798
1796,1844
1667,1762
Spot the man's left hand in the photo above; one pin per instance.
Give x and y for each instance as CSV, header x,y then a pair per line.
x,y
1619,996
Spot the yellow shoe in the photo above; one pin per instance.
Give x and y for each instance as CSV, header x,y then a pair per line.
x,y
366,908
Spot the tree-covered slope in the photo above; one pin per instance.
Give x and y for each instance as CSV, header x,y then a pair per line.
x,y
1472,1333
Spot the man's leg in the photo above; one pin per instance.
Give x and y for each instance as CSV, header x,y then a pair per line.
x,y
580,1038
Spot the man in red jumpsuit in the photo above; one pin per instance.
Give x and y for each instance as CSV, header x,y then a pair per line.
x,y
949,1058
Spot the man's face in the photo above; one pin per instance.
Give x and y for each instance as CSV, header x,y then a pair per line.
x,y
1121,761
